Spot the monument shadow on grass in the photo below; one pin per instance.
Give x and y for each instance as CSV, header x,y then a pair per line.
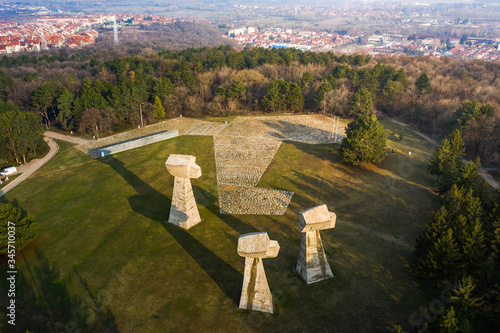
x,y
155,206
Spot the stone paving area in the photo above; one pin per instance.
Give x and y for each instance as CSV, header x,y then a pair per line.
x,y
234,199
245,148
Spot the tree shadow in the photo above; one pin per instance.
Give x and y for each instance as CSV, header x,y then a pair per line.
x,y
44,303
155,205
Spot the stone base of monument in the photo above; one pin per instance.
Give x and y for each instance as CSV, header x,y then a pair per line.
x,y
256,294
312,264
183,212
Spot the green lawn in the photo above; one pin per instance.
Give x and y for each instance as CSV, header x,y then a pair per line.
x,y
105,260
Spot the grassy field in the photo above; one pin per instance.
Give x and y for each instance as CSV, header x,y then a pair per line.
x,y
105,260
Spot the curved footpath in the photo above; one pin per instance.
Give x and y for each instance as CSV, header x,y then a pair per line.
x,y
31,167
483,172
64,137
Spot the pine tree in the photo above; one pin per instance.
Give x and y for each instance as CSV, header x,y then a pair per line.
x,y
307,79
423,84
64,105
365,141
295,99
466,111
449,322
461,201
237,91
361,103
434,228
158,109
440,261
319,100
276,94
446,161
163,87
474,248
438,160
468,174
457,144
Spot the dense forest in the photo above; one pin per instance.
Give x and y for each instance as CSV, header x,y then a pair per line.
x,y
102,91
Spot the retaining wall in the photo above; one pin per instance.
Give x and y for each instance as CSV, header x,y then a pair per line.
x,y
137,142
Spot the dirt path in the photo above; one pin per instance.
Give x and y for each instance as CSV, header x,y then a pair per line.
x,y
29,168
483,172
64,137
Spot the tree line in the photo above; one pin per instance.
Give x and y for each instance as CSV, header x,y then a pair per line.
x,y
461,244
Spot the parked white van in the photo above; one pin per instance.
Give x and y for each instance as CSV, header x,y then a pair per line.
x,y
8,171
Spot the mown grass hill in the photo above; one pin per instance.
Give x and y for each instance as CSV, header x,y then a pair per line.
x,y
105,260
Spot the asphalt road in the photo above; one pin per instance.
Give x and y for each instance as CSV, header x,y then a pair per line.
x,y
29,168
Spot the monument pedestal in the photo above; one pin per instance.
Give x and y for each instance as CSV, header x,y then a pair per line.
x,y
183,211
312,264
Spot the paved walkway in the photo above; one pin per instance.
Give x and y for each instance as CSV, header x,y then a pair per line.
x,y
245,148
29,168
483,172
64,137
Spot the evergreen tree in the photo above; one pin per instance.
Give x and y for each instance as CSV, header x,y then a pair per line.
x,y
361,103
221,91
467,110
434,228
320,100
449,321
307,79
295,99
468,174
163,87
64,105
459,316
460,217
446,161
423,84
158,109
237,91
189,79
438,161
276,94
365,141
440,260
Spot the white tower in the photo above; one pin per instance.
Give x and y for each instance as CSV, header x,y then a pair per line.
x,y
115,28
